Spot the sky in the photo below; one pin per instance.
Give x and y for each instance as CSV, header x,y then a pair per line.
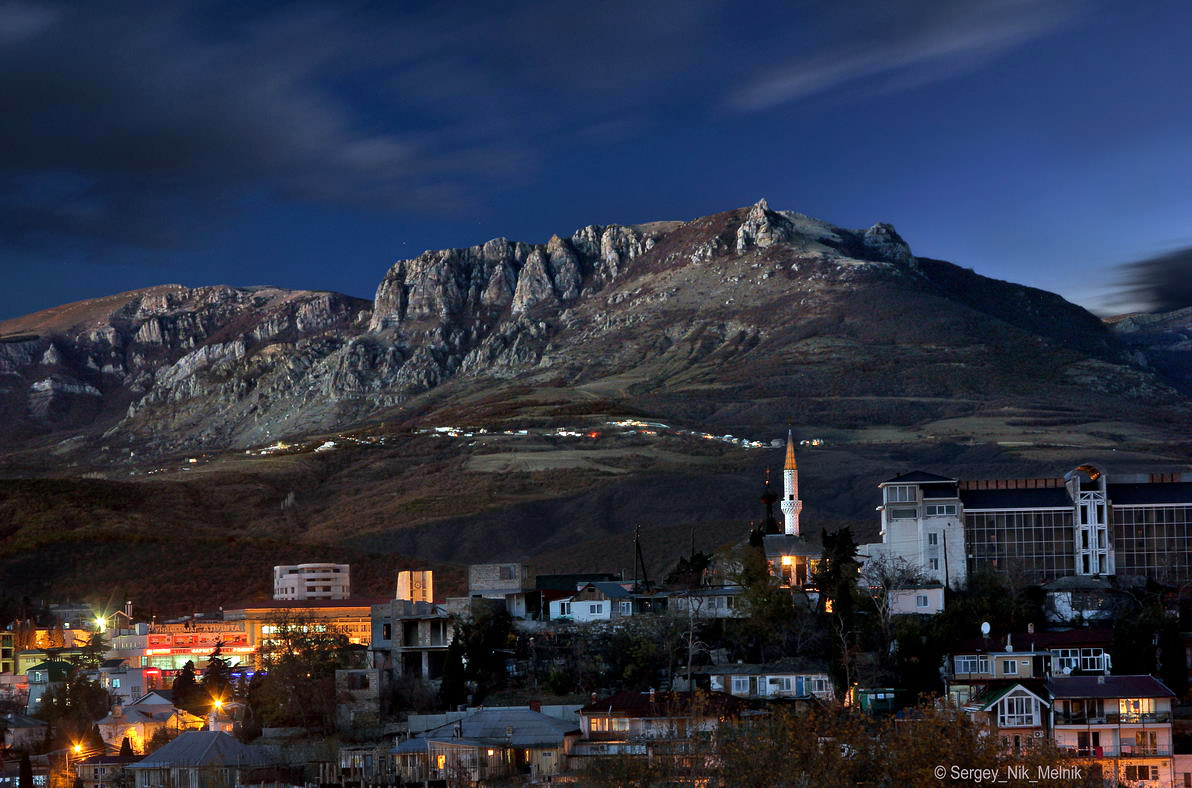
x,y
310,145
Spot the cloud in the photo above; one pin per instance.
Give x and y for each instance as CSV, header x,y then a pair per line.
x,y
1157,284
901,45
141,123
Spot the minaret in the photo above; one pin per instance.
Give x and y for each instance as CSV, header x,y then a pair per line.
x,y
791,505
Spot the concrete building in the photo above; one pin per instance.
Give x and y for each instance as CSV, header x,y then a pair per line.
x,y
513,583
598,601
312,581
923,600
410,638
8,653
44,678
21,732
1087,523
416,585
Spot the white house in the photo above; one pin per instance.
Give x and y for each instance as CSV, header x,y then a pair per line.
x,y
768,682
597,601
923,600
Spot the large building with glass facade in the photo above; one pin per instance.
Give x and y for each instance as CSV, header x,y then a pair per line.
x,y
1085,523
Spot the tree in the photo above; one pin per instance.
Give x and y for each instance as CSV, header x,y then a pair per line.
x,y
836,579
126,748
186,690
453,689
881,576
92,653
217,676
300,658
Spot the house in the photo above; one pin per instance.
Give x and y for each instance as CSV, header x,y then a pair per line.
x,y
489,744
1017,712
651,723
713,602
123,683
44,678
105,771
140,720
410,638
511,583
1017,656
1123,723
766,682
20,732
200,759
595,601
924,600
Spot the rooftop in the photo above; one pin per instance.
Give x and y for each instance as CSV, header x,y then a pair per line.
x,y
508,727
918,477
666,704
204,748
1108,687
1027,498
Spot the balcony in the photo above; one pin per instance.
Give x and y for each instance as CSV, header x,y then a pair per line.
x,y
1125,751
1157,717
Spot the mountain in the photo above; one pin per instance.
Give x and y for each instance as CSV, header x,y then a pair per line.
x,y
746,318
1161,341
515,401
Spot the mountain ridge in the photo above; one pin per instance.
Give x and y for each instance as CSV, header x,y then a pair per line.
x,y
686,304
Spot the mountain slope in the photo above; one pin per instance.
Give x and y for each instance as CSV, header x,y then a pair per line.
x,y
742,319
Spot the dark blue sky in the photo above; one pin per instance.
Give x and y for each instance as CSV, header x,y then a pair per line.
x,y
310,145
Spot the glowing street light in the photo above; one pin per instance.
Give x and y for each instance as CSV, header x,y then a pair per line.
x,y
78,749
218,704
101,624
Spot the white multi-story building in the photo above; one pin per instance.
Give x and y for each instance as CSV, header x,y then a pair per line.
x,y
311,581
1087,523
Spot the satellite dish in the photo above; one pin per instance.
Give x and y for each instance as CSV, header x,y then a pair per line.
x,y
1067,670
985,628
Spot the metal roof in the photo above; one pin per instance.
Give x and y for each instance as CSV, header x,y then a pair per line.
x,y
1108,687
1027,498
1152,492
507,727
787,667
204,748
917,477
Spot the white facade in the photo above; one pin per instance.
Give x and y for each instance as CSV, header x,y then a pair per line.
x,y
923,527
311,581
791,505
923,601
778,684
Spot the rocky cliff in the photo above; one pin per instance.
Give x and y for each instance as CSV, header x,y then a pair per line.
x,y
747,317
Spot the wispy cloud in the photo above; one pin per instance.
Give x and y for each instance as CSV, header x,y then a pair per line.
x,y
899,45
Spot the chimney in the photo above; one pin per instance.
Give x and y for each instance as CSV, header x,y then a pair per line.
x,y
536,705
1030,629
1009,645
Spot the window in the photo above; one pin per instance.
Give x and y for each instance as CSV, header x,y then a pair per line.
x,y
941,509
782,683
900,493
386,631
933,539
115,683
818,685
740,685
1136,773
921,600
1010,667
627,608
972,664
933,564
595,608
1016,711
903,514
